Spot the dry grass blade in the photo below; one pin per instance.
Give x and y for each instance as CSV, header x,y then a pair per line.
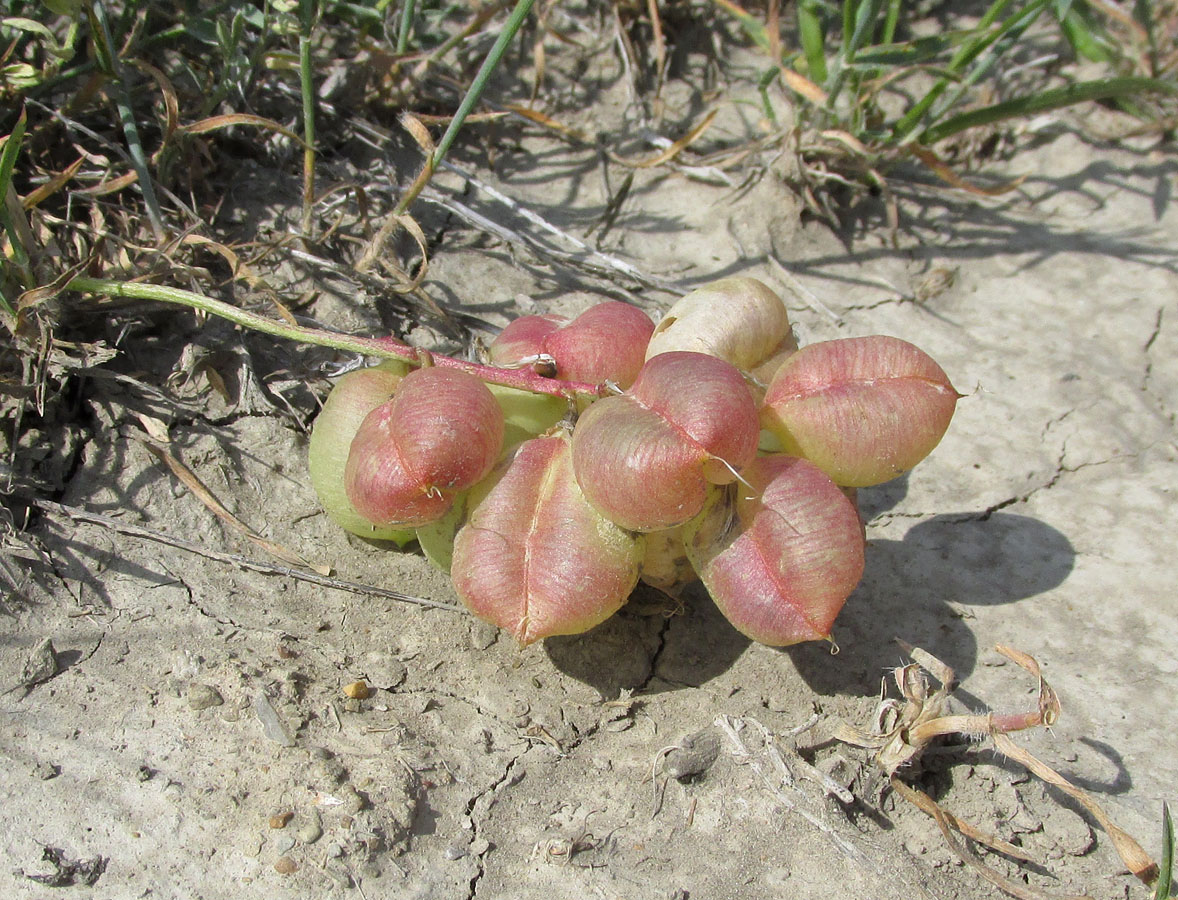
x,y
242,562
946,174
205,496
1135,858
39,195
660,48
587,258
671,152
927,804
217,247
111,186
732,726
214,123
1000,881
374,253
171,103
539,118
802,85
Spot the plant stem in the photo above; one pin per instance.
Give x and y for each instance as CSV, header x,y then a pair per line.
x,y
383,348
307,86
512,26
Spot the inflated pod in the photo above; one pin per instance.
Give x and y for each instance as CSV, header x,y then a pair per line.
x,y
606,342
779,555
440,434
352,398
740,320
864,410
645,458
533,557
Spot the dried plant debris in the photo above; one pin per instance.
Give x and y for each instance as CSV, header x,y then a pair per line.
x,y
901,731
68,872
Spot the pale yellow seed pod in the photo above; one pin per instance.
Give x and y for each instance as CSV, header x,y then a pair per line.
x,y
739,320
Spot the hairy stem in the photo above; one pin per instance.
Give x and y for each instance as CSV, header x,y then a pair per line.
x,y
382,348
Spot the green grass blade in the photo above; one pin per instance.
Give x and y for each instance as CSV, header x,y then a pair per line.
x,y
1008,36
812,37
866,20
514,22
1144,14
1164,883
10,151
752,26
970,51
407,15
1083,38
893,19
108,59
6,305
915,52
8,155
850,8
860,18
1057,98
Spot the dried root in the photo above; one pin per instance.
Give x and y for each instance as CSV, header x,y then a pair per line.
x,y
902,730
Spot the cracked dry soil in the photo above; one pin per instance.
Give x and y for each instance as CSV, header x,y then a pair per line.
x,y
193,738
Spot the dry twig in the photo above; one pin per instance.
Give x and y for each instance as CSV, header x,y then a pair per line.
x,y
75,514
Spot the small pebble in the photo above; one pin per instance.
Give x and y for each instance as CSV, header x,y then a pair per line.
x,y
353,802
45,771
280,820
310,832
272,726
482,635
334,851
284,843
694,755
40,665
479,846
357,690
202,696
454,852
394,673
284,865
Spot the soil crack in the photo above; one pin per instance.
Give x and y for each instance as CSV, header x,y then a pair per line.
x,y
655,657
507,778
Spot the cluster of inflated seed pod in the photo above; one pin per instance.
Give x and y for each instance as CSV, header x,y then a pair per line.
x,y
726,453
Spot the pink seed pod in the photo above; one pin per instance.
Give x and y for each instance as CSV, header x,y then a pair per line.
x,y
534,558
354,396
523,338
740,320
864,410
605,342
645,458
779,560
440,434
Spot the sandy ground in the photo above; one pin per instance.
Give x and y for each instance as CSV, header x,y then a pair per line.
x,y
194,706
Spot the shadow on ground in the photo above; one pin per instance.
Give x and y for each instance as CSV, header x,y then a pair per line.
x,y
919,589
